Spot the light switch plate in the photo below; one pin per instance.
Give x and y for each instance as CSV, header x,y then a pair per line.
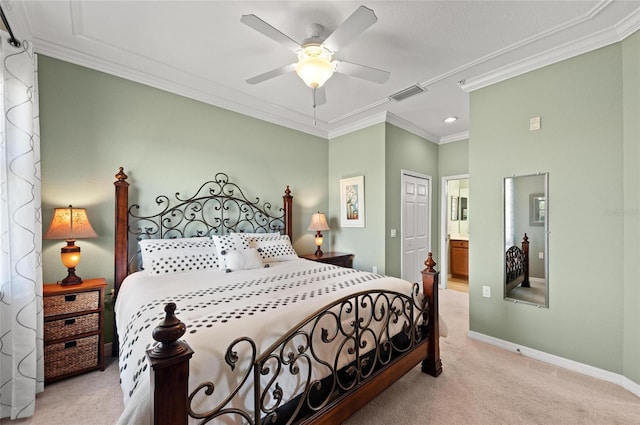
x,y
534,123
486,291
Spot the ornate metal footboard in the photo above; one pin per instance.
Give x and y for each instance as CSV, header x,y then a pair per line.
x,y
517,265
375,337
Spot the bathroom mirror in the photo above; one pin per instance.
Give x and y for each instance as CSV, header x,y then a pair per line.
x,y
526,224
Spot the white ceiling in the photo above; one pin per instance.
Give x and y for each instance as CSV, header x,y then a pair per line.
x,y
200,49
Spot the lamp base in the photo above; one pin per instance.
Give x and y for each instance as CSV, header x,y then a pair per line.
x,y
318,243
71,278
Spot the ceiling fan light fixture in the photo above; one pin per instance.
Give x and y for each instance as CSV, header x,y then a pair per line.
x,y
314,65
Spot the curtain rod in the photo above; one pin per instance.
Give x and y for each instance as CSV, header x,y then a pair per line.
x,y
13,41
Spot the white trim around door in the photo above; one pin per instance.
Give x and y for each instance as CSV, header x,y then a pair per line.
x,y
444,232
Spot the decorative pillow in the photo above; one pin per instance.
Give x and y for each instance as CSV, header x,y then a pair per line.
x,y
165,256
242,259
272,250
230,242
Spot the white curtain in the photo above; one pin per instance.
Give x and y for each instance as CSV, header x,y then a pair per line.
x,y
21,323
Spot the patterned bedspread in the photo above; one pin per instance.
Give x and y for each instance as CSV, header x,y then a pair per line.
x,y
219,307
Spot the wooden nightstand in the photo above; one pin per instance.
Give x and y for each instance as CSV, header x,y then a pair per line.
x,y
73,322
336,258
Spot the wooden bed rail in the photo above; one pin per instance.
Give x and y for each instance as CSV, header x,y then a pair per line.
x,y
170,366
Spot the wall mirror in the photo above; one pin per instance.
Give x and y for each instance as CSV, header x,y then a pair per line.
x,y
458,195
526,242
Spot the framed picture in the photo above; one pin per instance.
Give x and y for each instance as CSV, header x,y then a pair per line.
x,y
352,202
537,210
454,208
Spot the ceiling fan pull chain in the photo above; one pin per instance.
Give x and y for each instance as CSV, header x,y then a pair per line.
x,y
314,106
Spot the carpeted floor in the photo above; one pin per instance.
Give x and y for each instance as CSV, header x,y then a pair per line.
x,y
480,385
534,294
456,284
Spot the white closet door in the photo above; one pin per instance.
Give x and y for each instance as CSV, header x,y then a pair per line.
x,y
416,214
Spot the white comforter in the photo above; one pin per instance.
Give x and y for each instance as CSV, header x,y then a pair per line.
x,y
219,307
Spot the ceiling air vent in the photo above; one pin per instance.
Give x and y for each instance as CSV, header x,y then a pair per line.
x,y
408,92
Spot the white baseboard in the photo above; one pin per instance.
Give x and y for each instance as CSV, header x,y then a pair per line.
x,y
572,365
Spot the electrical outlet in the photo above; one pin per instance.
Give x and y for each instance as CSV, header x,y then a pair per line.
x,y
486,291
393,233
541,255
374,269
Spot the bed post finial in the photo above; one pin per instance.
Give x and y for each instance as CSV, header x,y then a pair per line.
x,y
169,362
121,176
167,334
430,263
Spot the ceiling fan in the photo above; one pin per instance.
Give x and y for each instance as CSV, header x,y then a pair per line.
x,y
315,65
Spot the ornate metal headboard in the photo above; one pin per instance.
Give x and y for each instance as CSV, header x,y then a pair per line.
x,y
218,207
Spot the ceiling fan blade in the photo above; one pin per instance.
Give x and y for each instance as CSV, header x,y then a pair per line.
x,y
320,96
362,71
271,74
359,21
264,28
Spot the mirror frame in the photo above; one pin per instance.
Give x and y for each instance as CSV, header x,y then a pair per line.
x,y
535,199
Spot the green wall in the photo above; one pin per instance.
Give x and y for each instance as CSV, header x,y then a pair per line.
x,y
360,153
92,123
453,158
405,150
631,188
580,144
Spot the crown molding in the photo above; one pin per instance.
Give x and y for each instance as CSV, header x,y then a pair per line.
x,y
412,128
365,122
454,137
586,44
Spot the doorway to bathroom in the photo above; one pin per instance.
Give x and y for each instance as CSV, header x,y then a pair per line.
x,y
454,250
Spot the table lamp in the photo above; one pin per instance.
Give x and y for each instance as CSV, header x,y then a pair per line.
x,y
318,223
70,224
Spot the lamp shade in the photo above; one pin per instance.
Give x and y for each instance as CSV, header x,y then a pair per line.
x,y
69,224
318,222
314,65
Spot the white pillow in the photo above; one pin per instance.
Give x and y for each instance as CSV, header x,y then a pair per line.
x,y
242,259
230,242
272,249
165,256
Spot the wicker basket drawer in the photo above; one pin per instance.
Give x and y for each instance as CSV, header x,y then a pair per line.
x,y
70,356
63,328
71,303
